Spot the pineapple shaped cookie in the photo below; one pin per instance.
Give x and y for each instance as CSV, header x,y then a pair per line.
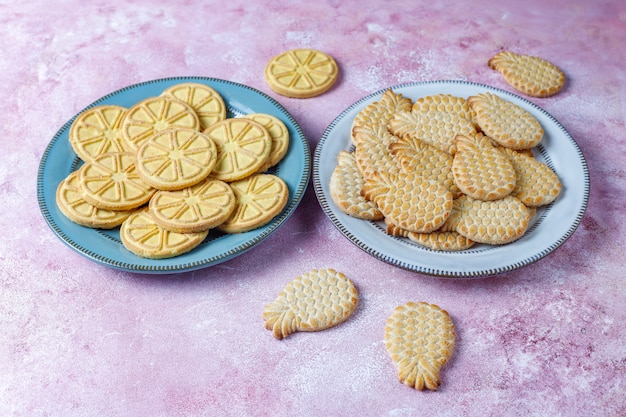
x,y
313,301
420,340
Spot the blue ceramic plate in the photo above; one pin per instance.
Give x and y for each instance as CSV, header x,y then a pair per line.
x,y
551,226
105,246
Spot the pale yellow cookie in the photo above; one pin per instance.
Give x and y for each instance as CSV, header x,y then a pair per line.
x,y
97,130
155,114
345,186
301,73
482,170
409,200
536,184
493,222
174,159
278,132
193,209
69,198
206,102
243,147
528,74
379,113
420,339
259,198
141,235
505,122
313,301
111,182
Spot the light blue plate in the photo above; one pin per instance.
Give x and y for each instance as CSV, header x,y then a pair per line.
x,y
105,246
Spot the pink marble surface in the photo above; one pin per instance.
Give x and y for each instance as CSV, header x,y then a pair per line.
x,y
80,339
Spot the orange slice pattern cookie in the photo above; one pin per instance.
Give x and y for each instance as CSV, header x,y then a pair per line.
x,y
97,130
204,100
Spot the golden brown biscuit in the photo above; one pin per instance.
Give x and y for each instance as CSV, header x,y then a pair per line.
x,y
536,184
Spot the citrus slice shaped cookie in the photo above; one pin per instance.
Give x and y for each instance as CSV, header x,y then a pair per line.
x,y
313,301
420,339
97,130
345,186
193,209
141,235
69,199
536,184
506,123
492,222
409,200
243,147
204,100
528,74
279,134
174,159
111,182
154,115
482,170
301,73
259,198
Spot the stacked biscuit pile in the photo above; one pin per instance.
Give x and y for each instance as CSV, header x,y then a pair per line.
x,y
445,171
172,167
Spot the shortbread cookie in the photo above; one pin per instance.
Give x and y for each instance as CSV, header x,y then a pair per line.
x,y
435,127
530,75
536,184
446,103
243,147
493,222
155,114
69,198
278,132
301,73
313,301
505,122
97,130
415,155
206,102
482,170
379,113
141,235
193,209
174,159
372,151
420,339
259,198
442,241
111,182
346,183
409,200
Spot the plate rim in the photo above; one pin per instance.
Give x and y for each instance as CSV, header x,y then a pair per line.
x,y
155,266
325,200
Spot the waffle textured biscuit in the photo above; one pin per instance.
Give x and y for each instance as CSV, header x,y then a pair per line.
x,y
372,151
194,209
155,114
279,135
506,123
536,184
346,183
493,222
243,147
97,130
141,235
313,301
174,159
380,113
420,339
481,170
442,241
70,200
410,201
301,73
111,182
528,74
204,100
445,103
259,198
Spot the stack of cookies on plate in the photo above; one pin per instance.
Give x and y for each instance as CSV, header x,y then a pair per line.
x,y
445,171
172,167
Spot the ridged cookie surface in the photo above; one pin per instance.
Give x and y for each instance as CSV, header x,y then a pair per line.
x,y
204,100
379,113
536,184
98,130
315,300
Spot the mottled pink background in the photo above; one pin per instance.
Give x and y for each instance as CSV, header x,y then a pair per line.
x,y
80,339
